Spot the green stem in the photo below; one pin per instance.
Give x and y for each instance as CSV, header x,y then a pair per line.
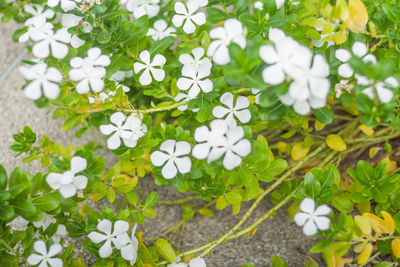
x,y
179,201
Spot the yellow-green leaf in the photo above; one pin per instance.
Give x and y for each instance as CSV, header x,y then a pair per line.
x,y
363,224
165,250
336,142
299,152
358,16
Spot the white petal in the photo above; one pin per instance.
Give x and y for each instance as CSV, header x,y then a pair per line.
x,y
67,190
58,50
120,227
33,90
189,26
279,3
391,81
201,151
117,118
107,129
169,170
273,74
158,74
145,78
206,85
221,55
359,49
40,247
227,99
184,164
105,250
268,54
220,112
96,237
197,262
320,67
322,222
345,70
114,141
105,226
158,158
177,20
145,57
231,161
307,205
275,34
54,250
342,55
322,210
53,179
78,164
182,148
128,252
34,259
180,8
301,218
168,146
319,87
41,49
55,262
199,18
242,148
385,95
310,228
244,115
299,90
80,182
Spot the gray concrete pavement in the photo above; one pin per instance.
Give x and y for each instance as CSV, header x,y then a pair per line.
x,y
279,236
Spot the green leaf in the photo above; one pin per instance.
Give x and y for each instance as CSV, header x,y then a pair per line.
x,y
278,262
3,177
159,46
151,200
24,208
233,197
324,115
46,202
111,195
277,167
6,212
342,203
165,250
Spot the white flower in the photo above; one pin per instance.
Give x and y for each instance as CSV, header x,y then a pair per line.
x,y
118,237
174,160
158,73
71,20
44,257
381,89
232,32
195,262
279,3
284,54
187,15
221,139
68,182
143,7
45,40
195,82
130,249
259,5
160,30
46,222
117,77
19,224
321,41
310,87
184,97
312,218
196,62
42,79
129,129
90,71
40,15
60,233
238,110
66,5
359,50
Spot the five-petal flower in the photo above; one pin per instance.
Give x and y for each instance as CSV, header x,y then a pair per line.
x,y
66,5
42,79
187,17
90,71
221,139
172,156
196,62
69,181
128,129
160,30
46,40
154,67
312,218
118,236
232,32
45,258
239,110
130,249
143,7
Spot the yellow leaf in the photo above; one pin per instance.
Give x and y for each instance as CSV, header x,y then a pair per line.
x,y
396,247
359,247
375,222
340,37
367,130
372,28
221,203
358,16
319,125
390,165
299,152
342,10
373,151
365,254
235,208
388,223
282,146
252,232
363,224
336,142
